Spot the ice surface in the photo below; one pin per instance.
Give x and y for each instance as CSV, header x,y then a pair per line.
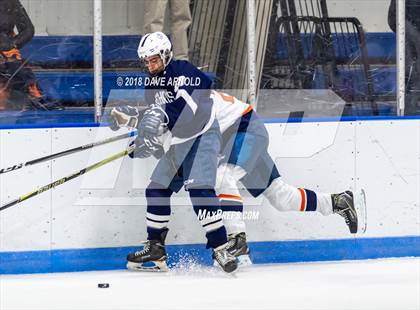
x,y
369,284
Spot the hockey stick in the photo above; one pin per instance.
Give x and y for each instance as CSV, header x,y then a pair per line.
x,y
67,152
68,178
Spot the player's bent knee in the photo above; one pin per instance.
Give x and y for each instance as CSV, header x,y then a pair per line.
x,y
228,175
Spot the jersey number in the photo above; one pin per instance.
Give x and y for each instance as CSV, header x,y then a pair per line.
x,y
226,97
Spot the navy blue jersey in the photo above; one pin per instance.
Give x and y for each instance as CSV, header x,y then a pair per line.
x,y
184,92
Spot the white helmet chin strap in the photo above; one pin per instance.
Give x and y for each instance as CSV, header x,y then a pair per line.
x,y
166,59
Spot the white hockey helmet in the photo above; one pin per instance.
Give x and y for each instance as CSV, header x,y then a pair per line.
x,y
155,43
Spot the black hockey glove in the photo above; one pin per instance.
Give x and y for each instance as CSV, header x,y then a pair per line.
x,y
147,147
154,122
124,116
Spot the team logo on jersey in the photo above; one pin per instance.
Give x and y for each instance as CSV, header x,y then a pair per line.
x,y
164,97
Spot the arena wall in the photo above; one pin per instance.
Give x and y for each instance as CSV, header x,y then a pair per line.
x,y
91,222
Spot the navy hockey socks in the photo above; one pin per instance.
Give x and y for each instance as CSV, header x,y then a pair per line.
x,y
206,206
158,210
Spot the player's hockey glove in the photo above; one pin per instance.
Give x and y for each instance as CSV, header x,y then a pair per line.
x,y
154,122
146,147
123,116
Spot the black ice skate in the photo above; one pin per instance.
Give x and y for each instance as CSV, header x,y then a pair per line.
x,y
238,247
151,258
225,260
343,204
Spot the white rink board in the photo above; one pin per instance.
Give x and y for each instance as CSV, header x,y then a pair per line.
x,y
106,208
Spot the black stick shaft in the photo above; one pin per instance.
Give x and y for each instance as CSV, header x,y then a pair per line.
x,y
67,178
67,152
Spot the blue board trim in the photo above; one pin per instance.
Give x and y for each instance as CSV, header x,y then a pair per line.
x,y
340,119
85,121
49,126
269,252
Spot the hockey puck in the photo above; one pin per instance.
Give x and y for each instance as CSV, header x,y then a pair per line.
x,y
103,285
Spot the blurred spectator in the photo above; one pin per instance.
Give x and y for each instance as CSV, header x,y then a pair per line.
x,y
4,94
18,87
180,20
412,52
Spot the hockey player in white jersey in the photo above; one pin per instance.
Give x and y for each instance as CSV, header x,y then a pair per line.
x,y
245,159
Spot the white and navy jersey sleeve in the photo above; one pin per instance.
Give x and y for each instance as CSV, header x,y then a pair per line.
x,y
184,92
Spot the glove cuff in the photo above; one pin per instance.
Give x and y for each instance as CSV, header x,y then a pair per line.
x,y
132,122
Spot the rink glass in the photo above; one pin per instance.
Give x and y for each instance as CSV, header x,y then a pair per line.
x,y
313,58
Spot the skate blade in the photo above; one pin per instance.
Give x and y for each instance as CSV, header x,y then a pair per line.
x,y
360,205
232,272
244,261
156,266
